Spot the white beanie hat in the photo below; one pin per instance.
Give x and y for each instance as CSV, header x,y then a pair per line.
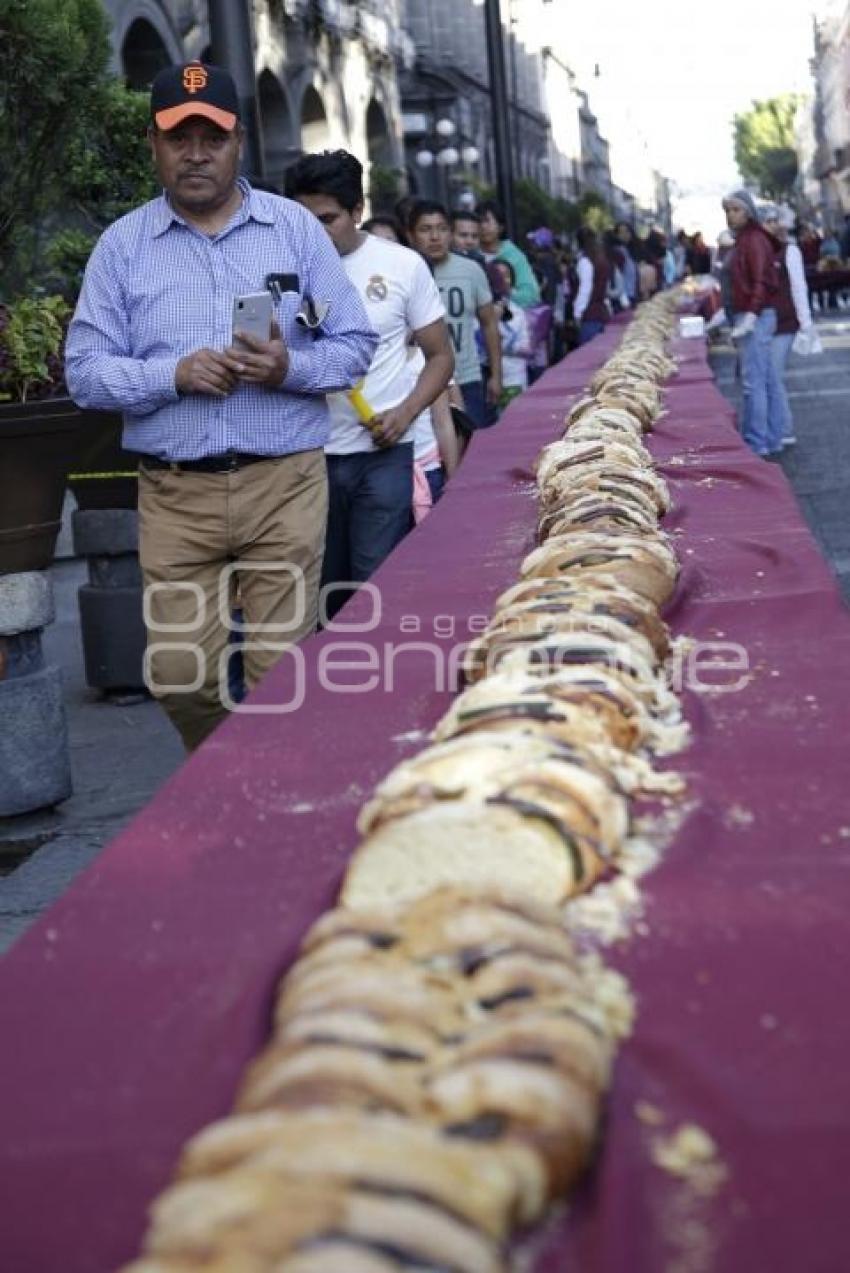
x,y
746,200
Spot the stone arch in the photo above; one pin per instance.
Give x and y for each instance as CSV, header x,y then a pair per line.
x,y
276,118
378,139
315,130
143,54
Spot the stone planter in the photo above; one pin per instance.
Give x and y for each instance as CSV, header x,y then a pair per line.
x,y
111,618
35,767
103,474
37,441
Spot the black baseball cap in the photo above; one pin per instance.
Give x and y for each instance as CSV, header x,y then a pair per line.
x,y
194,88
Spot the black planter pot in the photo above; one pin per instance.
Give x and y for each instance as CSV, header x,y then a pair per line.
x,y
37,441
103,474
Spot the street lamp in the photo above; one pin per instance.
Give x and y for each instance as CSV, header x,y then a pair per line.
x,y
437,148
442,148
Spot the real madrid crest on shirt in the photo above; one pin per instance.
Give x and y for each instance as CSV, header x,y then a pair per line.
x,y
376,288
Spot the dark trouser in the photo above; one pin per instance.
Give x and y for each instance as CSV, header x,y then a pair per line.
x,y
370,494
475,404
436,482
588,328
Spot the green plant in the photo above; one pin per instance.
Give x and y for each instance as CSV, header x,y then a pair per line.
x,y
65,259
534,208
31,335
594,212
385,187
53,58
108,168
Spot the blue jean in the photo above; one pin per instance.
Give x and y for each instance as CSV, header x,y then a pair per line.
x,y
781,351
436,481
762,417
370,494
476,406
588,328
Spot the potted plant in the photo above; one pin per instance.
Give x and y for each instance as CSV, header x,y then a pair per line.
x,y
84,164
38,431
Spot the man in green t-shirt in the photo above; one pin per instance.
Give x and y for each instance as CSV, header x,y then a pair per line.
x,y
467,298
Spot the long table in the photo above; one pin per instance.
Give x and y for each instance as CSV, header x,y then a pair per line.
x,y
130,1010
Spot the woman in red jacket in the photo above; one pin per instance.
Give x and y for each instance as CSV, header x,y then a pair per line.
x,y
754,280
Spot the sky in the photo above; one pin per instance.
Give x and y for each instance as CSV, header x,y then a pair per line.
x,y
672,73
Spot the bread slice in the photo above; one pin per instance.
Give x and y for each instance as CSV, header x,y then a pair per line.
x,y
415,1230
341,1255
521,626
247,1212
567,1043
589,594
487,1188
337,1076
495,704
393,1039
570,454
250,1212
389,990
491,766
467,843
553,653
547,1109
622,411
615,476
642,563
450,928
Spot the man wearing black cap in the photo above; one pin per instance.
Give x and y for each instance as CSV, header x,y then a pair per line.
x,y
232,481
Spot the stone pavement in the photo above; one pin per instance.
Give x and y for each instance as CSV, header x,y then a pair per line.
x,y
121,754
818,467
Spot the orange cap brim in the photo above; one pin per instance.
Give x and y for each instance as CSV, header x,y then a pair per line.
x,y
175,115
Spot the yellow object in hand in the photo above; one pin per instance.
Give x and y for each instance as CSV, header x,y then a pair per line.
x,y
365,411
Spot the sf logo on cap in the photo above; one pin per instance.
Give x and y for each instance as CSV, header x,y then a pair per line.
x,y
194,79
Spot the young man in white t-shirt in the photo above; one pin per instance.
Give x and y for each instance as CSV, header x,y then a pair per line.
x,y
370,461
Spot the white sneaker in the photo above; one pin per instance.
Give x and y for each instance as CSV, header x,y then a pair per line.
x,y
789,441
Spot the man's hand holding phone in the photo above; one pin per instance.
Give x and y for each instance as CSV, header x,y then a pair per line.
x,y
256,354
256,361
205,371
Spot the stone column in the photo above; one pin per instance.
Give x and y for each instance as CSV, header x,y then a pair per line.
x,y
35,764
111,618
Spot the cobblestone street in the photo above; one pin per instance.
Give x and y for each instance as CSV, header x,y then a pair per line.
x,y
818,467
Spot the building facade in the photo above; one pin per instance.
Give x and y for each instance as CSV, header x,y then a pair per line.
x,y
326,71
447,105
824,139
404,85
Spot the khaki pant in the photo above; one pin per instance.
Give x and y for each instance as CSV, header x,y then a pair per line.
x,y
202,535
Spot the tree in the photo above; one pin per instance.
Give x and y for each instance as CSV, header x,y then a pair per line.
x,y
535,208
764,145
108,172
108,169
53,58
595,212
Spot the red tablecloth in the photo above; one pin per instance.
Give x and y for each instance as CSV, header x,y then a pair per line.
x,y
130,1010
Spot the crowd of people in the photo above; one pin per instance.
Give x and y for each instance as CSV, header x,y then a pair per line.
x,y
320,446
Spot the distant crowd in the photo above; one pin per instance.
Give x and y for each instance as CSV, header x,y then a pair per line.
x,y
550,295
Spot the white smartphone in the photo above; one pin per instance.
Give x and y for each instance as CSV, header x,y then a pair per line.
x,y
253,314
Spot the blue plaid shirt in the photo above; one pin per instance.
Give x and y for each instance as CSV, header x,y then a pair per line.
x,y
157,289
